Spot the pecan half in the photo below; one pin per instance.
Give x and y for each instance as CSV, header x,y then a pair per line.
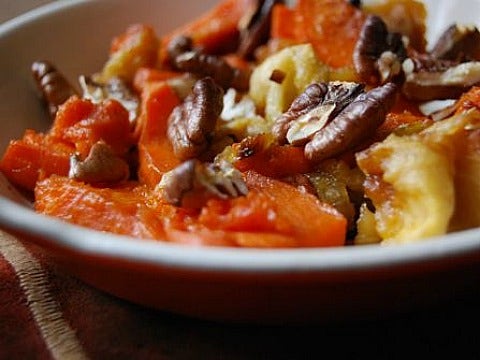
x,y
310,111
54,88
191,124
188,59
458,43
355,123
378,54
256,31
100,166
192,183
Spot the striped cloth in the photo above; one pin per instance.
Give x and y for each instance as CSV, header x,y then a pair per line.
x,y
46,314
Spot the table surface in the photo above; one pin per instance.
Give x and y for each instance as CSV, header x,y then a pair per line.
x,y
448,328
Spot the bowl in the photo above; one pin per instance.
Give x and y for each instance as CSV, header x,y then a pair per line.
x,y
224,284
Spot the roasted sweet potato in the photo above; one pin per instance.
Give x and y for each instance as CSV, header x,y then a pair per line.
x,y
331,26
156,154
34,157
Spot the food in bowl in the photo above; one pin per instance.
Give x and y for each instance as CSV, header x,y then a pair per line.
x,y
326,123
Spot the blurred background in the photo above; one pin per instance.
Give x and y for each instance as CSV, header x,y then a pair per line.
x,y
12,8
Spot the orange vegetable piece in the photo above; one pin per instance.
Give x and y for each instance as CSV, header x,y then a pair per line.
x,y
287,24
201,236
145,76
130,38
81,123
273,214
156,154
331,26
469,100
135,48
237,62
276,161
396,121
216,31
120,210
276,214
34,157
70,113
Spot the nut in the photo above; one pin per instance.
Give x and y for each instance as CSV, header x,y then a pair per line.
x,y
256,31
458,43
388,66
305,126
179,45
54,88
116,89
357,121
310,111
430,79
438,109
191,124
100,166
192,183
378,54
185,58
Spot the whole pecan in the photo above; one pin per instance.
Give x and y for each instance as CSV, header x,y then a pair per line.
x,y
356,122
192,183
191,124
378,54
310,111
188,59
53,86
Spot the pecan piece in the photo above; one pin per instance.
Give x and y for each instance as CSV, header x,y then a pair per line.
x,y
356,3
100,166
448,70
192,183
458,43
378,54
356,122
256,31
54,88
179,45
427,78
438,109
191,124
116,89
311,111
188,59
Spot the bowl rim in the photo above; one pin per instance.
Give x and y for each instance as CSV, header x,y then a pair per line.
x,y
85,241
38,13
